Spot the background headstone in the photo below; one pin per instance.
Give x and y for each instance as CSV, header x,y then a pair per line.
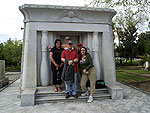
x,y
147,65
3,79
2,69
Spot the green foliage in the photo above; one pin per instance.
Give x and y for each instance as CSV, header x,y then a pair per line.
x,y
12,52
147,46
140,4
141,62
127,63
144,59
14,68
127,45
129,12
143,44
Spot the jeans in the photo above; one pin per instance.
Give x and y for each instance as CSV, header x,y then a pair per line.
x,y
74,85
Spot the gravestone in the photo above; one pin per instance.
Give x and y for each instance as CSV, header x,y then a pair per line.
x,y
44,23
147,65
3,79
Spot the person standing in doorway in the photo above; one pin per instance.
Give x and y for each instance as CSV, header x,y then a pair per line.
x,y
70,57
79,45
88,72
56,64
65,46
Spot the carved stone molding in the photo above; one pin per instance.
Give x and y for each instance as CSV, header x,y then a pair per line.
x,y
44,63
71,14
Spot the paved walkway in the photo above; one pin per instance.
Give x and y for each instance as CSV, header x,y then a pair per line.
x,y
134,102
12,76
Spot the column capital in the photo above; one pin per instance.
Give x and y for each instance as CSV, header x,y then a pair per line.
x,y
95,32
44,31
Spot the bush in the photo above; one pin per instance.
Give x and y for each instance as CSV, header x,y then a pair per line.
x,y
127,63
11,52
13,68
143,60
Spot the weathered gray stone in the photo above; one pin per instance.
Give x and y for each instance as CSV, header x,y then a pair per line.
x,y
44,62
3,82
45,23
9,103
28,97
2,69
116,92
147,65
3,79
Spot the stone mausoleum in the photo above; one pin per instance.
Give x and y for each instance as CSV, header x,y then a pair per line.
x,y
44,23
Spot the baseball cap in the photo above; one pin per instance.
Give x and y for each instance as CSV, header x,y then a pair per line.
x,y
70,42
79,44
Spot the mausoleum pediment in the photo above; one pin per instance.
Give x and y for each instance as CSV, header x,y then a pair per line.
x,y
61,14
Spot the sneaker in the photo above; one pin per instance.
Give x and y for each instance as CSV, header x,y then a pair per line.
x,y
75,96
85,93
67,95
90,99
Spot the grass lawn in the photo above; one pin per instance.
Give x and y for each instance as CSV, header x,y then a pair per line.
x,y
134,79
127,78
13,68
137,71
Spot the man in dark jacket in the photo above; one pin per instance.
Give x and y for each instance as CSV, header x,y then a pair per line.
x,y
71,57
68,72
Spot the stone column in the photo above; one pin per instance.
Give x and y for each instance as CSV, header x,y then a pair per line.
x,y
51,43
95,50
22,57
29,77
108,60
44,62
89,44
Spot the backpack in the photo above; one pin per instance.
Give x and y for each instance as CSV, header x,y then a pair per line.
x,y
99,84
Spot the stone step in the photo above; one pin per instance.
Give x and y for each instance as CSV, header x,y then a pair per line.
x,y
43,94
61,98
50,91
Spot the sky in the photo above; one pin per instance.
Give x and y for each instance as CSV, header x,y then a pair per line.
x,y
11,19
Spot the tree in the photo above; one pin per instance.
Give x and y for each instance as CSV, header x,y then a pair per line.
x,y
135,11
143,44
12,50
127,45
141,5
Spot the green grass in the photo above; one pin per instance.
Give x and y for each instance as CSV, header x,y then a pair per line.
x,y
137,71
123,77
13,68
